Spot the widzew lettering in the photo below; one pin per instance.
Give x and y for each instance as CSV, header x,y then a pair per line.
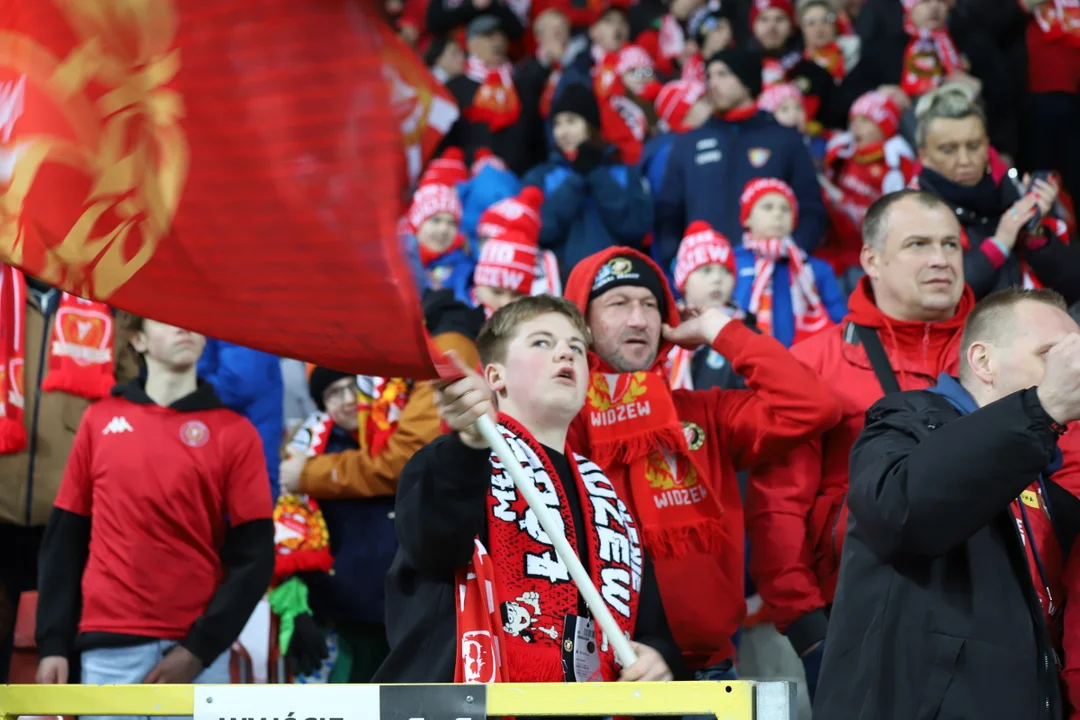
x,y
629,411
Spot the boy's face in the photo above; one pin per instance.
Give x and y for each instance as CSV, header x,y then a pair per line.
x,y
166,345
493,298
437,232
865,131
792,114
771,217
340,400
545,372
610,32
709,286
569,130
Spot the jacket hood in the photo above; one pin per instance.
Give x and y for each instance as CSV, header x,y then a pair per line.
x,y
579,285
444,313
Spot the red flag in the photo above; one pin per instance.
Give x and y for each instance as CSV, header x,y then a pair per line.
x,y
233,167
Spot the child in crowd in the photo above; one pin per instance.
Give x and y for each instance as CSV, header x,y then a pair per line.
x,y
705,277
627,117
433,218
825,44
792,295
862,164
506,271
592,200
521,214
788,106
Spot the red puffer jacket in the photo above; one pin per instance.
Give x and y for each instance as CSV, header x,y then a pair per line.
x,y
795,511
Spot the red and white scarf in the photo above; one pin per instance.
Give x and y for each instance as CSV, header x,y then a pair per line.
x,y
512,604
809,311
679,362
929,59
1059,21
830,57
604,72
80,353
632,420
496,102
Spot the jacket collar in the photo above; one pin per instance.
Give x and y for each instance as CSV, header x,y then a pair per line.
x,y
204,397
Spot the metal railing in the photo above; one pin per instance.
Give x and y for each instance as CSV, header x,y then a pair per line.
x,y
742,700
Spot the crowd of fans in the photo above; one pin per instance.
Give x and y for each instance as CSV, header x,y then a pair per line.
x,y
821,192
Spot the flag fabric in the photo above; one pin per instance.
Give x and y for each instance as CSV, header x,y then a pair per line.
x,y
234,167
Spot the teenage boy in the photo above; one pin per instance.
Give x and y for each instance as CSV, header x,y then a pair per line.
x,y
463,527
161,542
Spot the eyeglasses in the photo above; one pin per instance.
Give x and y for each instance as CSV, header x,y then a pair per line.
x,y
340,395
827,20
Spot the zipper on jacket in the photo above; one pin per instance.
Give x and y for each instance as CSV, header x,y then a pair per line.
x,y
31,444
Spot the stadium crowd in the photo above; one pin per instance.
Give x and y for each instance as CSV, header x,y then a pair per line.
x,y
762,225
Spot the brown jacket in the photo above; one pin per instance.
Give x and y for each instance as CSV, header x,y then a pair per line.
x,y
29,479
355,473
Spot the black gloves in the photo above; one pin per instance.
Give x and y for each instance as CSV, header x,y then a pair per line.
x,y
307,649
589,158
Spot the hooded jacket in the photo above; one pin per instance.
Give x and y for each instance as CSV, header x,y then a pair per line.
x,y
796,513
785,406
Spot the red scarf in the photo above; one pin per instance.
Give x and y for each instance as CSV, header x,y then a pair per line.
x,y
496,103
1032,515
738,114
428,256
929,59
631,419
603,71
830,57
510,621
809,311
694,69
1059,21
548,93
775,70
80,354
379,405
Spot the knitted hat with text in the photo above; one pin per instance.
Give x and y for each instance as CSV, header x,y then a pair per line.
x,y
447,169
507,262
880,109
675,100
774,96
701,245
430,200
759,188
520,214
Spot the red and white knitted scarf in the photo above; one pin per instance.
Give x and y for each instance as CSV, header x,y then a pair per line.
x,y
930,58
810,315
496,102
513,603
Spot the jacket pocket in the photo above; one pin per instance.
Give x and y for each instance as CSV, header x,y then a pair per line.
x,y
942,654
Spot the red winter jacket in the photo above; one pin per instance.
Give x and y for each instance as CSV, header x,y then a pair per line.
x,y
795,511
785,405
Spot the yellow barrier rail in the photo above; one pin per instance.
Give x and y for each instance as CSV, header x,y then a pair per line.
x,y
742,700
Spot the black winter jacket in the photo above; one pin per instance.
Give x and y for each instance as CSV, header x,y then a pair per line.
x,y
936,614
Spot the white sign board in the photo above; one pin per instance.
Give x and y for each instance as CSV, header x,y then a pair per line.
x,y
286,702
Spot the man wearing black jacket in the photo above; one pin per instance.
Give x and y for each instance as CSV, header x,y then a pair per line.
x,y
161,542
460,520
945,605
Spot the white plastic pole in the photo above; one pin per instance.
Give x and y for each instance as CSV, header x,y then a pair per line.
x,y
524,484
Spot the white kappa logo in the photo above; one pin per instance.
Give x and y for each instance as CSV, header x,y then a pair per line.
x,y
117,425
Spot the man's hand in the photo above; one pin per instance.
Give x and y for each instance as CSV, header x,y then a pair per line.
x,y
289,472
462,402
178,667
700,326
650,666
1059,391
52,670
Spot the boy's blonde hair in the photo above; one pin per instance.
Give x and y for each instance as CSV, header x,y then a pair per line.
x,y
501,327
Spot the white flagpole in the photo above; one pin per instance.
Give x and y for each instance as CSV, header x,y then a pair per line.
x,y
524,484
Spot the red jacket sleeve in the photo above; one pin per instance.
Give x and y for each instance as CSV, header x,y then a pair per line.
x,y
786,403
779,497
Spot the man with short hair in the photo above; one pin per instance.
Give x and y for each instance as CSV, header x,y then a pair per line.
x,y
902,331
476,592
707,168
675,454
946,601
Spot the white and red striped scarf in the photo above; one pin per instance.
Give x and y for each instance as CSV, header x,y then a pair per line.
x,y
1059,21
496,103
678,363
809,311
930,58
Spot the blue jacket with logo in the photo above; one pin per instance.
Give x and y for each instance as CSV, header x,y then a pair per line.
x,y
583,215
708,168
783,318
249,382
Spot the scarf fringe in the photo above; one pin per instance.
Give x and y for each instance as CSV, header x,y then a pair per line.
x,y
631,449
81,384
12,436
675,541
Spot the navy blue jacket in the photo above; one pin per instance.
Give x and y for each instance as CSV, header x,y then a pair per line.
x,y
363,544
583,215
707,169
249,382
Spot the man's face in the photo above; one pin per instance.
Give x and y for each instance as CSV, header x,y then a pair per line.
x,y
930,14
918,272
490,47
1020,362
545,372
610,32
772,28
173,348
958,150
818,26
340,399
625,324
725,89
552,29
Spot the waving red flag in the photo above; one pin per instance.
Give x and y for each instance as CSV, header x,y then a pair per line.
x,y
233,167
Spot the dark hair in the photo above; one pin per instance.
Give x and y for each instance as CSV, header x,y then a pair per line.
x,y
127,325
988,321
875,224
501,327
436,48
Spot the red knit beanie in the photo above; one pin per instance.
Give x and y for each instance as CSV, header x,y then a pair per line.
x,y
520,214
507,262
701,245
757,189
